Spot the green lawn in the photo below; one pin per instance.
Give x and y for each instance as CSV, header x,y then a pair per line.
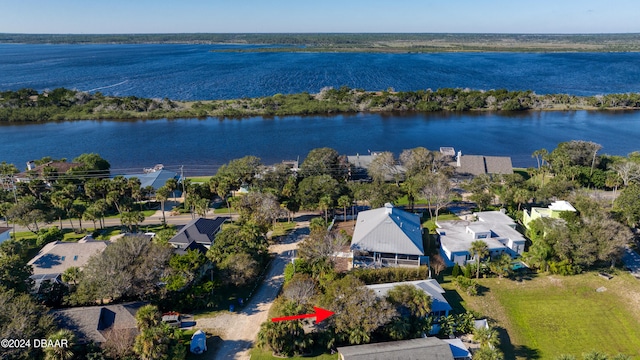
x,y
282,228
404,201
431,223
146,213
199,179
259,354
546,316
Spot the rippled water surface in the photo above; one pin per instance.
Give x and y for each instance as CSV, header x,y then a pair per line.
x,y
190,72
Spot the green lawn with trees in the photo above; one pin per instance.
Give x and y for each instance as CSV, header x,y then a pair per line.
x,y
545,316
571,248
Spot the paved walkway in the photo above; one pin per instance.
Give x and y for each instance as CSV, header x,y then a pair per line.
x,y
239,330
631,260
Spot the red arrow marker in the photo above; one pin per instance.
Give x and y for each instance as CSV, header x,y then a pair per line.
x,y
320,314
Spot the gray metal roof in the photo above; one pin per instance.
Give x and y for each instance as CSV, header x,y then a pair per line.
x,y
201,230
388,230
429,348
430,286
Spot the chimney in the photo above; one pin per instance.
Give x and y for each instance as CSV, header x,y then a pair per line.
x,y
458,158
388,208
31,165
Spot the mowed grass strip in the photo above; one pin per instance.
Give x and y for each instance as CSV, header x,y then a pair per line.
x,y
552,315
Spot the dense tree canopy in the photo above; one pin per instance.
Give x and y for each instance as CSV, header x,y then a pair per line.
x,y
131,267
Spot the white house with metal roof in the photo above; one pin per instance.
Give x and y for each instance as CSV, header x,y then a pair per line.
x,y
387,236
496,229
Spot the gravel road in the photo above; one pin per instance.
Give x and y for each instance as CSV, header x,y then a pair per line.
x,y
239,330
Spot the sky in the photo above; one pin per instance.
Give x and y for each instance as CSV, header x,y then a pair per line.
x,y
293,16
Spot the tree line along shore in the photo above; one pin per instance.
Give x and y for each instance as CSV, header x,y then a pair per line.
x,y
28,105
358,42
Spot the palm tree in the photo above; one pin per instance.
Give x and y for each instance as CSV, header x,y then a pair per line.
x,y
324,205
521,196
344,201
479,249
71,275
147,316
487,353
60,352
486,337
162,194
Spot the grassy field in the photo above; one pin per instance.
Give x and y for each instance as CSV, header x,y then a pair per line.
x,y
199,179
545,316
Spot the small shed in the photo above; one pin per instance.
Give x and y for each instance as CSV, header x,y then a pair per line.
x,y
198,342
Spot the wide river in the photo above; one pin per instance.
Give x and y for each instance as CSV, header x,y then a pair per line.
x,y
191,72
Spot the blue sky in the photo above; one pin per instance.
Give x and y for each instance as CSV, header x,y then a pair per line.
x,y
188,16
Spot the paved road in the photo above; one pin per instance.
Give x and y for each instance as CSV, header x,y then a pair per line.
x,y
631,260
239,330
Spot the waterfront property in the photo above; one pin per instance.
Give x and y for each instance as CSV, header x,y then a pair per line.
x,y
360,166
553,211
44,171
154,178
474,165
387,236
58,256
197,233
496,229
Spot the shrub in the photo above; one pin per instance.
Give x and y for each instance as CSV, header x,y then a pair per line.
x,y
387,275
564,267
456,270
467,285
467,271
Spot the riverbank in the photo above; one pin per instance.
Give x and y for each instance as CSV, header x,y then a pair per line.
x,y
360,42
28,105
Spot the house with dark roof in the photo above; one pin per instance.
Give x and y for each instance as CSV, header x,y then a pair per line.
x,y
58,256
41,171
200,231
429,348
95,323
474,165
387,236
496,229
439,305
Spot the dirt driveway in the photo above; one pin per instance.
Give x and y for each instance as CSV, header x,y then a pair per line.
x,y
239,330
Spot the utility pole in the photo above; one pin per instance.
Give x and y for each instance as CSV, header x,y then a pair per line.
x,y
182,179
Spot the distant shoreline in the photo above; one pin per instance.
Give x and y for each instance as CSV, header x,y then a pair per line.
x,y
360,42
61,104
